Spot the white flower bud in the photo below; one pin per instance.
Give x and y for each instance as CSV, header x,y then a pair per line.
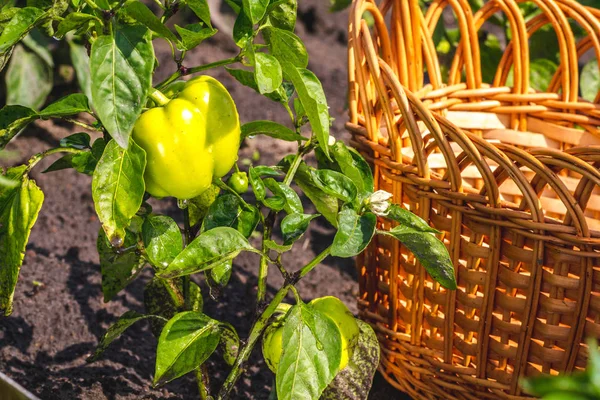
x,y
378,202
331,140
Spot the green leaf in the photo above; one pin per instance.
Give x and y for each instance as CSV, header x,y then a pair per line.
x,y
81,64
406,218
286,47
282,14
242,29
12,120
19,208
39,44
257,184
350,163
121,70
118,269
4,58
354,233
207,251
293,204
19,26
79,141
272,129
228,210
255,9
142,14
246,78
74,21
71,104
201,9
312,350
28,79
325,204
162,239
590,80
540,73
84,163
293,226
263,170
280,248
312,96
335,184
572,387
125,321
268,73
192,35
429,250
339,5
186,341
229,343
221,274
118,188
198,206
354,381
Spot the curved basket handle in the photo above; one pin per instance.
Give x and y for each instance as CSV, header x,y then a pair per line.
x,y
469,40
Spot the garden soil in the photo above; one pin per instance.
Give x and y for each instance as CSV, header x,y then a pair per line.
x,y
59,313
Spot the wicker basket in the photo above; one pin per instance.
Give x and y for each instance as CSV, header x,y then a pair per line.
x,y
509,175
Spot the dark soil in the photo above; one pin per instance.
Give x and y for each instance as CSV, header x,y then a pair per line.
x,y
56,325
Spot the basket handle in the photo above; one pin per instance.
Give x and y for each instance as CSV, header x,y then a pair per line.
x,y
469,40
552,12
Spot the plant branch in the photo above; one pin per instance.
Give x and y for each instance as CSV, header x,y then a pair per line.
x,y
40,156
188,71
82,124
261,323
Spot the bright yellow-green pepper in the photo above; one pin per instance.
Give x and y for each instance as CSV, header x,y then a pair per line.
x,y
189,140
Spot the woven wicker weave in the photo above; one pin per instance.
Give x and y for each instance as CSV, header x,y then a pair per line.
x,y
509,175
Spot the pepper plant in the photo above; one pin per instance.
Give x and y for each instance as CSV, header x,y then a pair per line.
x,y
180,139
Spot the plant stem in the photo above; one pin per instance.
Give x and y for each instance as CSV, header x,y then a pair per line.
x,y
158,97
261,323
268,228
188,71
201,372
40,156
93,5
201,376
257,330
82,124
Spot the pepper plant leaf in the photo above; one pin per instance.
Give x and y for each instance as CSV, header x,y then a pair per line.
x,y
121,66
71,104
116,330
286,47
21,23
12,120
162,239
354,233
29,79
19,208
228,210
186,341
272,129
294,225
311,95
142,14
208,250
312,351
268,73
118,188
429,250
117,269
355,380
